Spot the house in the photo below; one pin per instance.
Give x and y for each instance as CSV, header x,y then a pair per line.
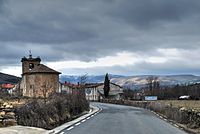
x,y
93,91
68,87
116,91
7,88
38,80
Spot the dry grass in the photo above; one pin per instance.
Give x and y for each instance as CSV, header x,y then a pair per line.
x,y
188,104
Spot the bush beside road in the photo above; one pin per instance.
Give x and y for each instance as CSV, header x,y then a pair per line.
x,y
34,130
51,112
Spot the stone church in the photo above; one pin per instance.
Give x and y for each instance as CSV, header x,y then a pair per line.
x,y
38,80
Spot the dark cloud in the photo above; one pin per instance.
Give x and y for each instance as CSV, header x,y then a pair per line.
x,y
2,6
145,13
90,29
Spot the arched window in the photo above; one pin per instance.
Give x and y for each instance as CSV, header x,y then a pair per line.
x,y
31,66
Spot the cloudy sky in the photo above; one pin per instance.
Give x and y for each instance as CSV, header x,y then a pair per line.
x,y
127,37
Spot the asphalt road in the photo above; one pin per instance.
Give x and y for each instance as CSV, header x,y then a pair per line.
x,y
117,119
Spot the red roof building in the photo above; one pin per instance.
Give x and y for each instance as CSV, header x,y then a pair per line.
x,y
7,86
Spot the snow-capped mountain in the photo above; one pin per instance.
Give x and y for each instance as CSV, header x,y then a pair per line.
x,y
90,78
135,82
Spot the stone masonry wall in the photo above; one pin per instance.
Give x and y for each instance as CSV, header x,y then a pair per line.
x,y
7,115
40,85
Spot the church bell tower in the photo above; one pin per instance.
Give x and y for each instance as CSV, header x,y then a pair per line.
x,y
29,63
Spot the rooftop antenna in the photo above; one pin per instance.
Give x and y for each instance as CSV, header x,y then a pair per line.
x,y
30,54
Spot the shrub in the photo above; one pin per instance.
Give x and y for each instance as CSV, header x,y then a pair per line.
x,y
51,112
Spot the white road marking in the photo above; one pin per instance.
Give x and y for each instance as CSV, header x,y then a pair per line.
x,y
80,122
161,117
176,125
83,120
88,118
70,128
77,124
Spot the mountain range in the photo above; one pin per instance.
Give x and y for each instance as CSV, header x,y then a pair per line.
x,y
131,82
6,78
136,82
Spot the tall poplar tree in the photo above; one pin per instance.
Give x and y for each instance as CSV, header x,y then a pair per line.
x,y
106,86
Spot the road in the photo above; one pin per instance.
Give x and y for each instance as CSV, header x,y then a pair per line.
x,y
117,119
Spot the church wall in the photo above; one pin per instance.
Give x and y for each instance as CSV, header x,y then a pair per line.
x,y
40,84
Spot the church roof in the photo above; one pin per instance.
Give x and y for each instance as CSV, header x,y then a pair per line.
x,y
30,59
40,68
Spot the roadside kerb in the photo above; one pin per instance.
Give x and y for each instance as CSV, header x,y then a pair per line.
x,y
56,130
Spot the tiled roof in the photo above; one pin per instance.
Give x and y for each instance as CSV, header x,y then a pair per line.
x,y
71,85
7,86
116,84
30,59
40,68
92,85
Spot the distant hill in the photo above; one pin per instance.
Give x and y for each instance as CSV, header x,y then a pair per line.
x,y
6,78
90,78
135,82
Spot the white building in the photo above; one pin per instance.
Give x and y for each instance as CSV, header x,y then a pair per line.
x,y
93,91
115,92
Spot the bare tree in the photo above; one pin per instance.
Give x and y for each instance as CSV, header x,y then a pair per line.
x,y
83,79
82,82
153,85
46,89
150,83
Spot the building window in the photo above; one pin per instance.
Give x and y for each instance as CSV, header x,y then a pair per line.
x,y
31,66
31,86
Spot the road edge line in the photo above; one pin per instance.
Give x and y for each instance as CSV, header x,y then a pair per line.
x,y
73,122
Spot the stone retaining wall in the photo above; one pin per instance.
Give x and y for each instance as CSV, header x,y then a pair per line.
x,y
7,115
